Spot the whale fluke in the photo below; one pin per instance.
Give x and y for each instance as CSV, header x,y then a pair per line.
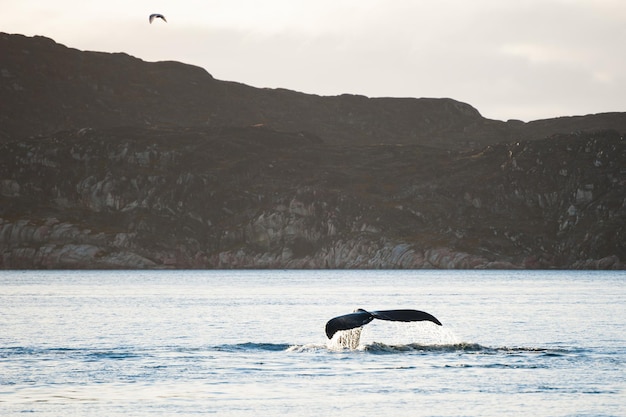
x,y
156,16
361,317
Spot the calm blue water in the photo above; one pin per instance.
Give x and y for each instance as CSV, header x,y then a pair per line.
x,y
253,343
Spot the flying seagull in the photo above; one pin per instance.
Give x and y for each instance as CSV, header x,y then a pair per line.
x,y
156,16
361,317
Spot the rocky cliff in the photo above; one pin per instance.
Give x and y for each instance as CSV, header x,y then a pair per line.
x,y
108,161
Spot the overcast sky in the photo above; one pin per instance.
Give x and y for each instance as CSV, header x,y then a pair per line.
x,y
511,59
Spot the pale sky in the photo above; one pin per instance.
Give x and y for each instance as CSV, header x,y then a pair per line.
x,y
511,59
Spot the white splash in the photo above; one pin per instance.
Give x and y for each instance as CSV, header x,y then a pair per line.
x,y
346,339
393,334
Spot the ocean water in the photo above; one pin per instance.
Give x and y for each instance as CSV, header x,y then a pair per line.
x,y
242,343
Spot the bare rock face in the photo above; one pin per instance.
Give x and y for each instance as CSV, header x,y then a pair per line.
x,y
253,197
107,161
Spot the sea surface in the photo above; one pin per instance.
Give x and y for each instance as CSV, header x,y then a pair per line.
x,y
252,343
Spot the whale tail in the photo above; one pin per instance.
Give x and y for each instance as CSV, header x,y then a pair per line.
x,y
361,317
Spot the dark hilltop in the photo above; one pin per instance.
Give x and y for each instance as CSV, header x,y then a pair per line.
x,y
108,161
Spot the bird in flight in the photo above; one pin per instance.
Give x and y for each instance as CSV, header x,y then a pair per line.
x,y
156,16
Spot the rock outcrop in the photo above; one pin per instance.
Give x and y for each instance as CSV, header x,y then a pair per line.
x,y
253,197
107,161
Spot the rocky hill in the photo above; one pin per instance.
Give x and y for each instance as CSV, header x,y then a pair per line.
x,y
108,161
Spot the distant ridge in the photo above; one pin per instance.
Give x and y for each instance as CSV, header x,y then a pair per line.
x,y
46,87
107,161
